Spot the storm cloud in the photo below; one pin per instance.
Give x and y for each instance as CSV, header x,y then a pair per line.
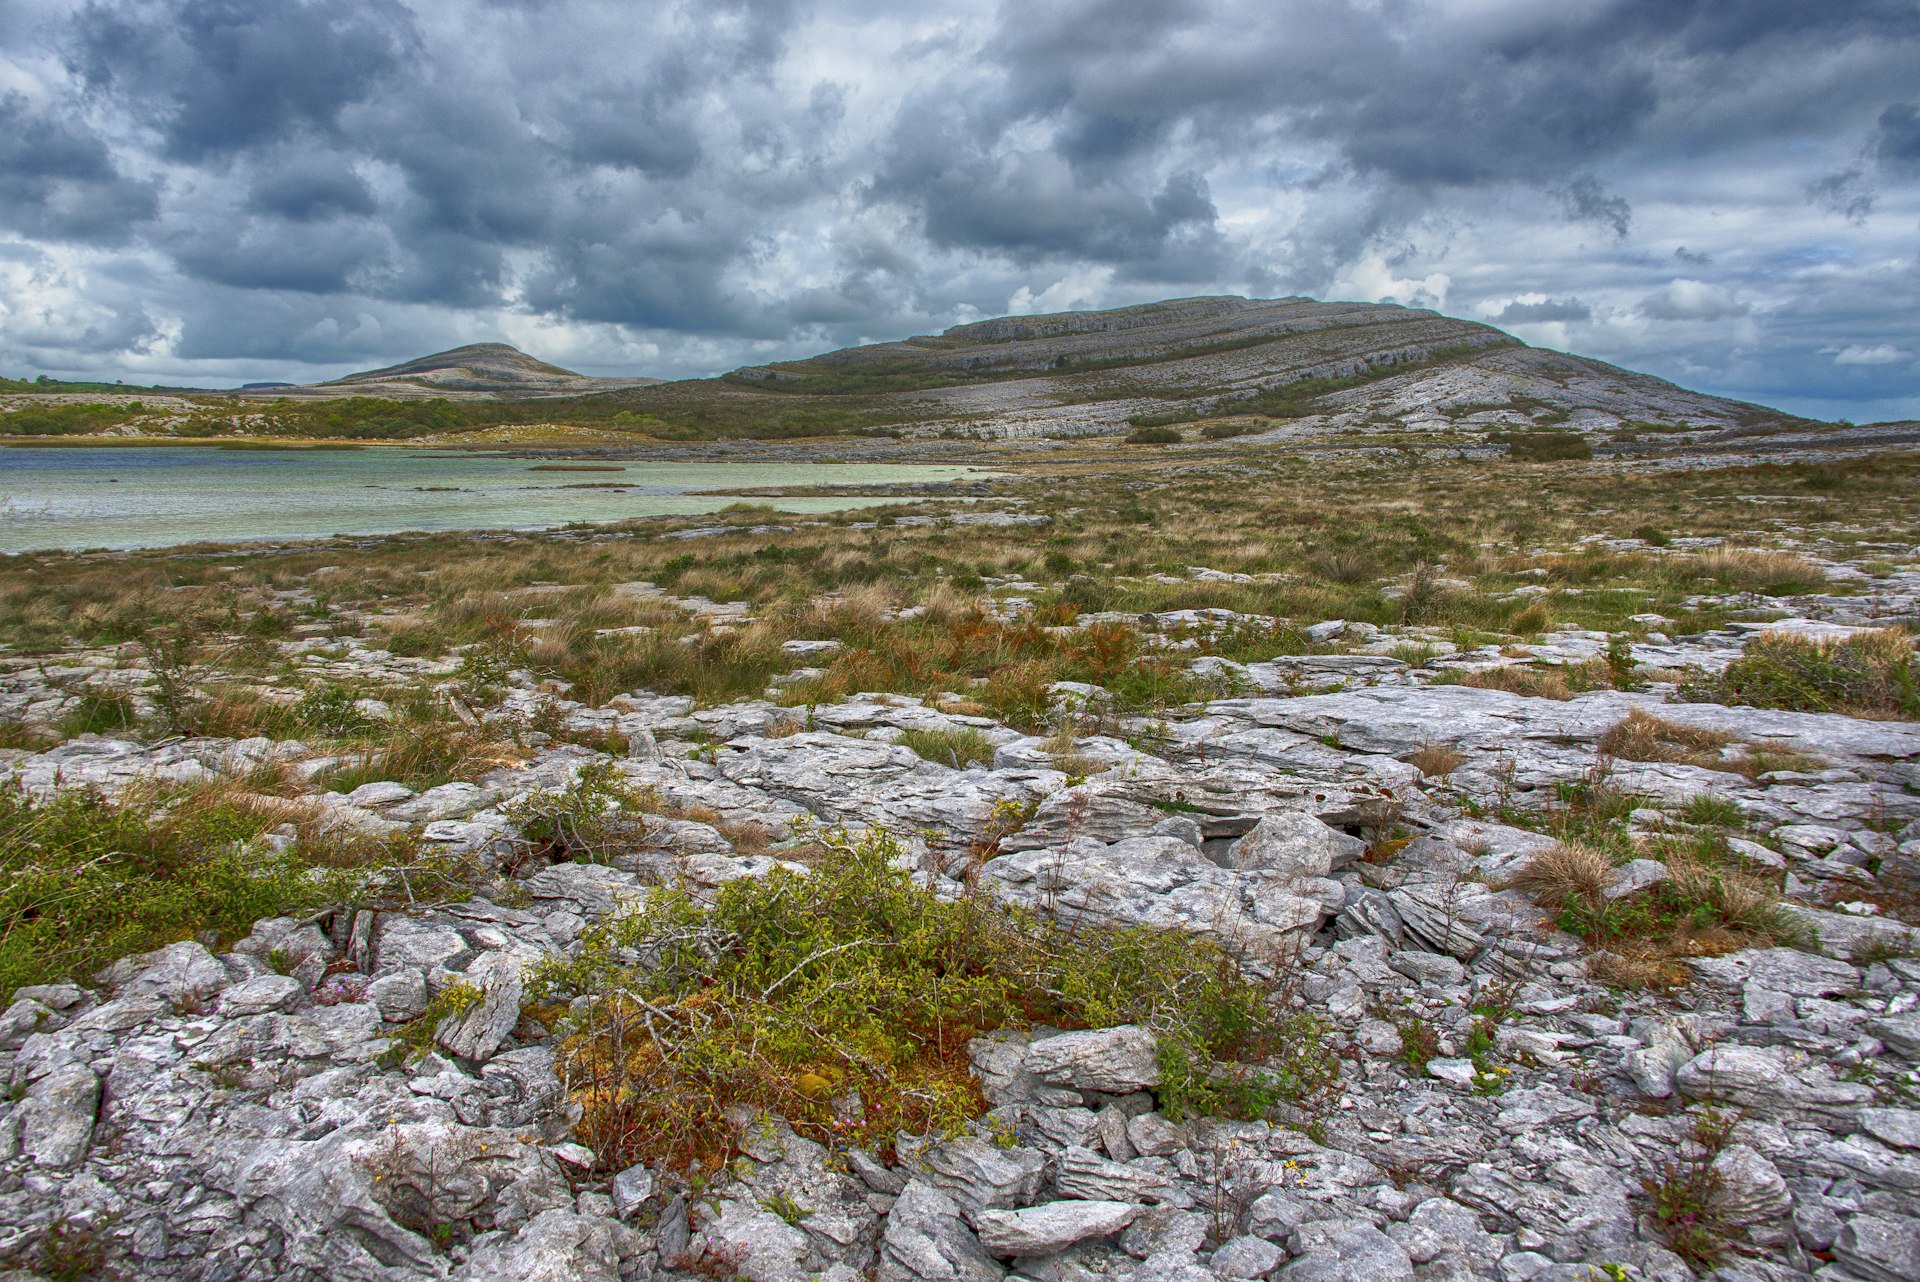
x,y
1725,192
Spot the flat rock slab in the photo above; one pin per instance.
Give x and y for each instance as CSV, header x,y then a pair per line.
x,y
1051,1227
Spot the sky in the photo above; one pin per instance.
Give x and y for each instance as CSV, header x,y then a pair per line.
x,y
1722,192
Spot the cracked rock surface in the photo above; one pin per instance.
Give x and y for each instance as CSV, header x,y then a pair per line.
x,y
247,1113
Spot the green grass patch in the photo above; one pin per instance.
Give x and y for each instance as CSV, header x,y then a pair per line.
x,y
84,881
844,999
956,748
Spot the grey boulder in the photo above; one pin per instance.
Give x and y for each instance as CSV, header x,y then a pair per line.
x,y
1117,1061
926,1240
1051,1227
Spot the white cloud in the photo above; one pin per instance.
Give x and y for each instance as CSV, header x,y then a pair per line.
x,y
1371,280
1692,300
1081,288
1878,354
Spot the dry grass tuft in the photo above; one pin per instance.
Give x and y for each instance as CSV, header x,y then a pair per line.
x,y
1767,758
1530,619
1565,872
1636,967
1773,573
1560,683
1437,760
1641,736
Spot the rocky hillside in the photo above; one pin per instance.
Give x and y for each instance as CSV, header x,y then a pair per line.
x,y
1287,370
1258,362
477,371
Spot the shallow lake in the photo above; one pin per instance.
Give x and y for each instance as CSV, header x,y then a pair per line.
x,y
156,496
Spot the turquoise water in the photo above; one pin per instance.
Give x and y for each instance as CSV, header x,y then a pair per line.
x,y
156,496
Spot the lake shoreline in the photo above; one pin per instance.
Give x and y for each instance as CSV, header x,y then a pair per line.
x,y
121,499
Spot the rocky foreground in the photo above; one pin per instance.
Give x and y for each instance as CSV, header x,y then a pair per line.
x,y
250,1114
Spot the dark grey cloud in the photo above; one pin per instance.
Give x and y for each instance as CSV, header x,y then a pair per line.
x,y
305,188
699,184
222,75
1897,138
59,182
1849,193
1587,201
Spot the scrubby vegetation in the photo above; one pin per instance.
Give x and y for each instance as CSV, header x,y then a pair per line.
x,y
1542,446
956,748
84,880
844,999
1708,901
67,420
1868,674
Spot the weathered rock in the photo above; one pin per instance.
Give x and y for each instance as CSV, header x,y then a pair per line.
x,y
1336,1250
1428,968
1259,916
1750,1189
1294,844
1633,877
631,1188
926,1240
981,1177
183,972
477,1032
1899,1127
1880,1248
1761,1079
266,993
1901,1033
1117,1061
755,1244
1154,1136
1051,1227
1275,1215
1246,1257
23,1019
1082,1173
56,1118
559,1246
1442,1227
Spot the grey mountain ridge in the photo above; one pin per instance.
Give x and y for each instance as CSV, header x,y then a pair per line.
x,y
1393,368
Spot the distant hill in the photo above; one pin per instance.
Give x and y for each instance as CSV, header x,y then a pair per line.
x,y
1259,369
1260,365
495,371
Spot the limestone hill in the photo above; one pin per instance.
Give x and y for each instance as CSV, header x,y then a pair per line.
x,y
488,370
1263,365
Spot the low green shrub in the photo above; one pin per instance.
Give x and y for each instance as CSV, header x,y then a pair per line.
x,y
956,748
1867,674
84,881
844,999
598,812
1542,447
1154,436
